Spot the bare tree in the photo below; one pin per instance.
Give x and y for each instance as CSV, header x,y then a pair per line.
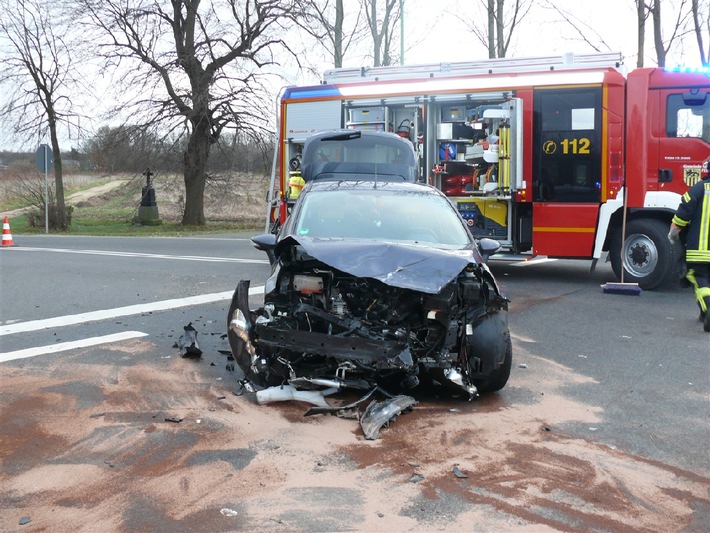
x,y
641,16
701,24
325,20
195,67
661,45
382,21
38,77
502,18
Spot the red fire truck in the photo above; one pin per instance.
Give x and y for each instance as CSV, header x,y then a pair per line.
x,y
545,155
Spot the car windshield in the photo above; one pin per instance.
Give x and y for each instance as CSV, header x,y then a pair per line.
x,y
382,214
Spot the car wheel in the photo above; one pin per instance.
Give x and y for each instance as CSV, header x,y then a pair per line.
x,y
239,309
648,255
499,377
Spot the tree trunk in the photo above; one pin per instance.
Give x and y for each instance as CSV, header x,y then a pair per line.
x,y
58,176
641,20
704,60
198,150
491,29
500,37
657,37
338,34
376,37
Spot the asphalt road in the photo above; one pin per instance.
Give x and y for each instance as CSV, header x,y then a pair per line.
x,y
603,425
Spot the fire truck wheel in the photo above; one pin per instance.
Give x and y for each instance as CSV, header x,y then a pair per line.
x,y
648,254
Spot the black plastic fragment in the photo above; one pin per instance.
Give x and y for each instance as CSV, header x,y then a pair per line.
x,y
188,342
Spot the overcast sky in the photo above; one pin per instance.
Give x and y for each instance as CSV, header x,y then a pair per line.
x,y
433,33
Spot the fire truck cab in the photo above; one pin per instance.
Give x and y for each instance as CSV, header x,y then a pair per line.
x,y
542,154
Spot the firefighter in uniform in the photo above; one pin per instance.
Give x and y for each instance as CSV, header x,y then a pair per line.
x,y
694,214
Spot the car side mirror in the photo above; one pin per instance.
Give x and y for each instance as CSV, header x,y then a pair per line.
x,y
488,247
266,242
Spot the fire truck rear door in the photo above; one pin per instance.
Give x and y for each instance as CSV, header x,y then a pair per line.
x,y
566,170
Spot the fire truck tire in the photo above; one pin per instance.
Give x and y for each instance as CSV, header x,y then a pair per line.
x,y
649,257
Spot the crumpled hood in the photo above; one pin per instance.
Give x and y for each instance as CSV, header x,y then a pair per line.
x,y
408,266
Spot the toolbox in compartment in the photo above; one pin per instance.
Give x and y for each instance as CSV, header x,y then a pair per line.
x,y
367,114
453,113
454,130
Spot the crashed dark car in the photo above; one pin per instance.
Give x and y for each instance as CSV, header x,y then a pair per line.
x,y
375,283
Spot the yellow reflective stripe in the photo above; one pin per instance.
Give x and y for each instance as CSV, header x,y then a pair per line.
x,y
679,221
686,197
705,220
697,256
690,276
700,294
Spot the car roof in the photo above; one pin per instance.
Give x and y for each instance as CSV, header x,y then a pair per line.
x,y
352,154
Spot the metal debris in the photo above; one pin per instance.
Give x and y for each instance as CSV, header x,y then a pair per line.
x,y
173,419
25,520
378,415
228,512
289,392
416,478
345,411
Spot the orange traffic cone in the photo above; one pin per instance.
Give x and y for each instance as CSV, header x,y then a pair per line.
x,y
6,235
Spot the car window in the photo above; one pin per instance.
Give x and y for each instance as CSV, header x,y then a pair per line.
x,y
381,214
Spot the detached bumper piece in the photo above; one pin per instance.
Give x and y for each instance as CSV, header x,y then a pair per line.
x,y
379,415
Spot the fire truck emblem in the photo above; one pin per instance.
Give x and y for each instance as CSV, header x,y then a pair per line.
x,y
691,175
550,147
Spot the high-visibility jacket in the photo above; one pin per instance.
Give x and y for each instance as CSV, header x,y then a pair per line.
x,y
694,213
295,184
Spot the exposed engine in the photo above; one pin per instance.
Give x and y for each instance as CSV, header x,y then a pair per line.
x,y
319,325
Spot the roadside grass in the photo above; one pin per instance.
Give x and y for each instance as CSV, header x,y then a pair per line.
x,y
125,228
114,212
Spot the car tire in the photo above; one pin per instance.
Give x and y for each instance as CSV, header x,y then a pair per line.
x,y
651,258
240,300
498,377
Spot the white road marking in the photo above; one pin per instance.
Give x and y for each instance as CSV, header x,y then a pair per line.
x,y
69,320
148,256
64,346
